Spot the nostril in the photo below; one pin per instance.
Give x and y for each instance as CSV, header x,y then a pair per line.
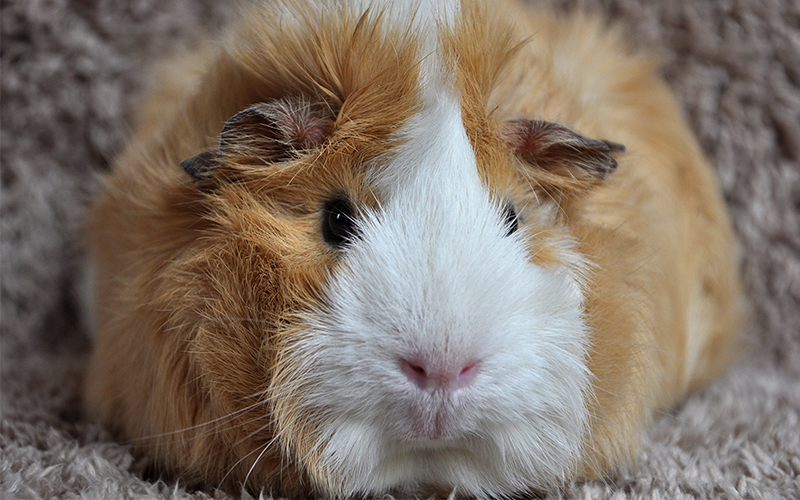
x,y
410,366
467,374
414,372
416,368
468,369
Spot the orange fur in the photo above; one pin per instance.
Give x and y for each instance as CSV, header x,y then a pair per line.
x,y
196,289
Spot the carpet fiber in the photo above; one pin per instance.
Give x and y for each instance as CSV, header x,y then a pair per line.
x,y
71,70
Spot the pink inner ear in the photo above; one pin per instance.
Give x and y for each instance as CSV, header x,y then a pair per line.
x,y
271,130
523,136
515,135
307,131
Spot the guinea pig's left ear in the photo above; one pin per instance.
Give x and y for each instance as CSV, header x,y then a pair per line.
x,y
561,158
264,133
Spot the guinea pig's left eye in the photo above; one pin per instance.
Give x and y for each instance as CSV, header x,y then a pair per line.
x,y
338,223
511,221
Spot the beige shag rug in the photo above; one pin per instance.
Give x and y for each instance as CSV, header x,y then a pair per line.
x,y
72,69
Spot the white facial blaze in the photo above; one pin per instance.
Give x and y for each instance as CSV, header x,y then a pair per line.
x,y
434,274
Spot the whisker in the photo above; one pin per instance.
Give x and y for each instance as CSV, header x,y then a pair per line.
x,y
616,426
658,412
639,344
233,467
602,474
247,477
221,419
237,443
201,435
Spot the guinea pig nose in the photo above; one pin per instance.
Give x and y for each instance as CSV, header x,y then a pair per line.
x,y
431,375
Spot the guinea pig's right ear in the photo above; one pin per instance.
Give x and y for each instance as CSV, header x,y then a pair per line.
x,y
263,134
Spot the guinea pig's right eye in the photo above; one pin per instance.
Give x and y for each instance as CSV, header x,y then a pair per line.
x,y
338,223
511,220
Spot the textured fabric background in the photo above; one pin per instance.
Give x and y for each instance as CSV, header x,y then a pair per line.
x,y
71,70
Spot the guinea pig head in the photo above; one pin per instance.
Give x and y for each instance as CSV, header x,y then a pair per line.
x,y
409,319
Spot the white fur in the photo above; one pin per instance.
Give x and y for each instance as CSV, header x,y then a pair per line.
x,y
435,274
420,16
423,14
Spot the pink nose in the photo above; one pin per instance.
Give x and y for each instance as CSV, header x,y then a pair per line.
x,y
427,375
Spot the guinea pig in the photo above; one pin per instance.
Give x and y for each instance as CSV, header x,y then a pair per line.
x,y
362,248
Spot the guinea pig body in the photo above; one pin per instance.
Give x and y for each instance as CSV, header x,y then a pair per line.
x,y
370,248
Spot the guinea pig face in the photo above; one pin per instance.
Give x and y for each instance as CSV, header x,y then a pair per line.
x,y
441,354
436,346
415,325
409,318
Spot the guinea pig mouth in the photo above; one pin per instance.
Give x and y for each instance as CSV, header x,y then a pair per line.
x,y
433,428
437,421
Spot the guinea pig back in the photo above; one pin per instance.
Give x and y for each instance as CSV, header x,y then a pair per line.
x,y
365,248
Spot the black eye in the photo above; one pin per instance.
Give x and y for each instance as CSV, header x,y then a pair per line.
x,y
511,220
338,224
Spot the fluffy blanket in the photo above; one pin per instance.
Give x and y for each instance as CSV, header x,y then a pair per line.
x,y
71,70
